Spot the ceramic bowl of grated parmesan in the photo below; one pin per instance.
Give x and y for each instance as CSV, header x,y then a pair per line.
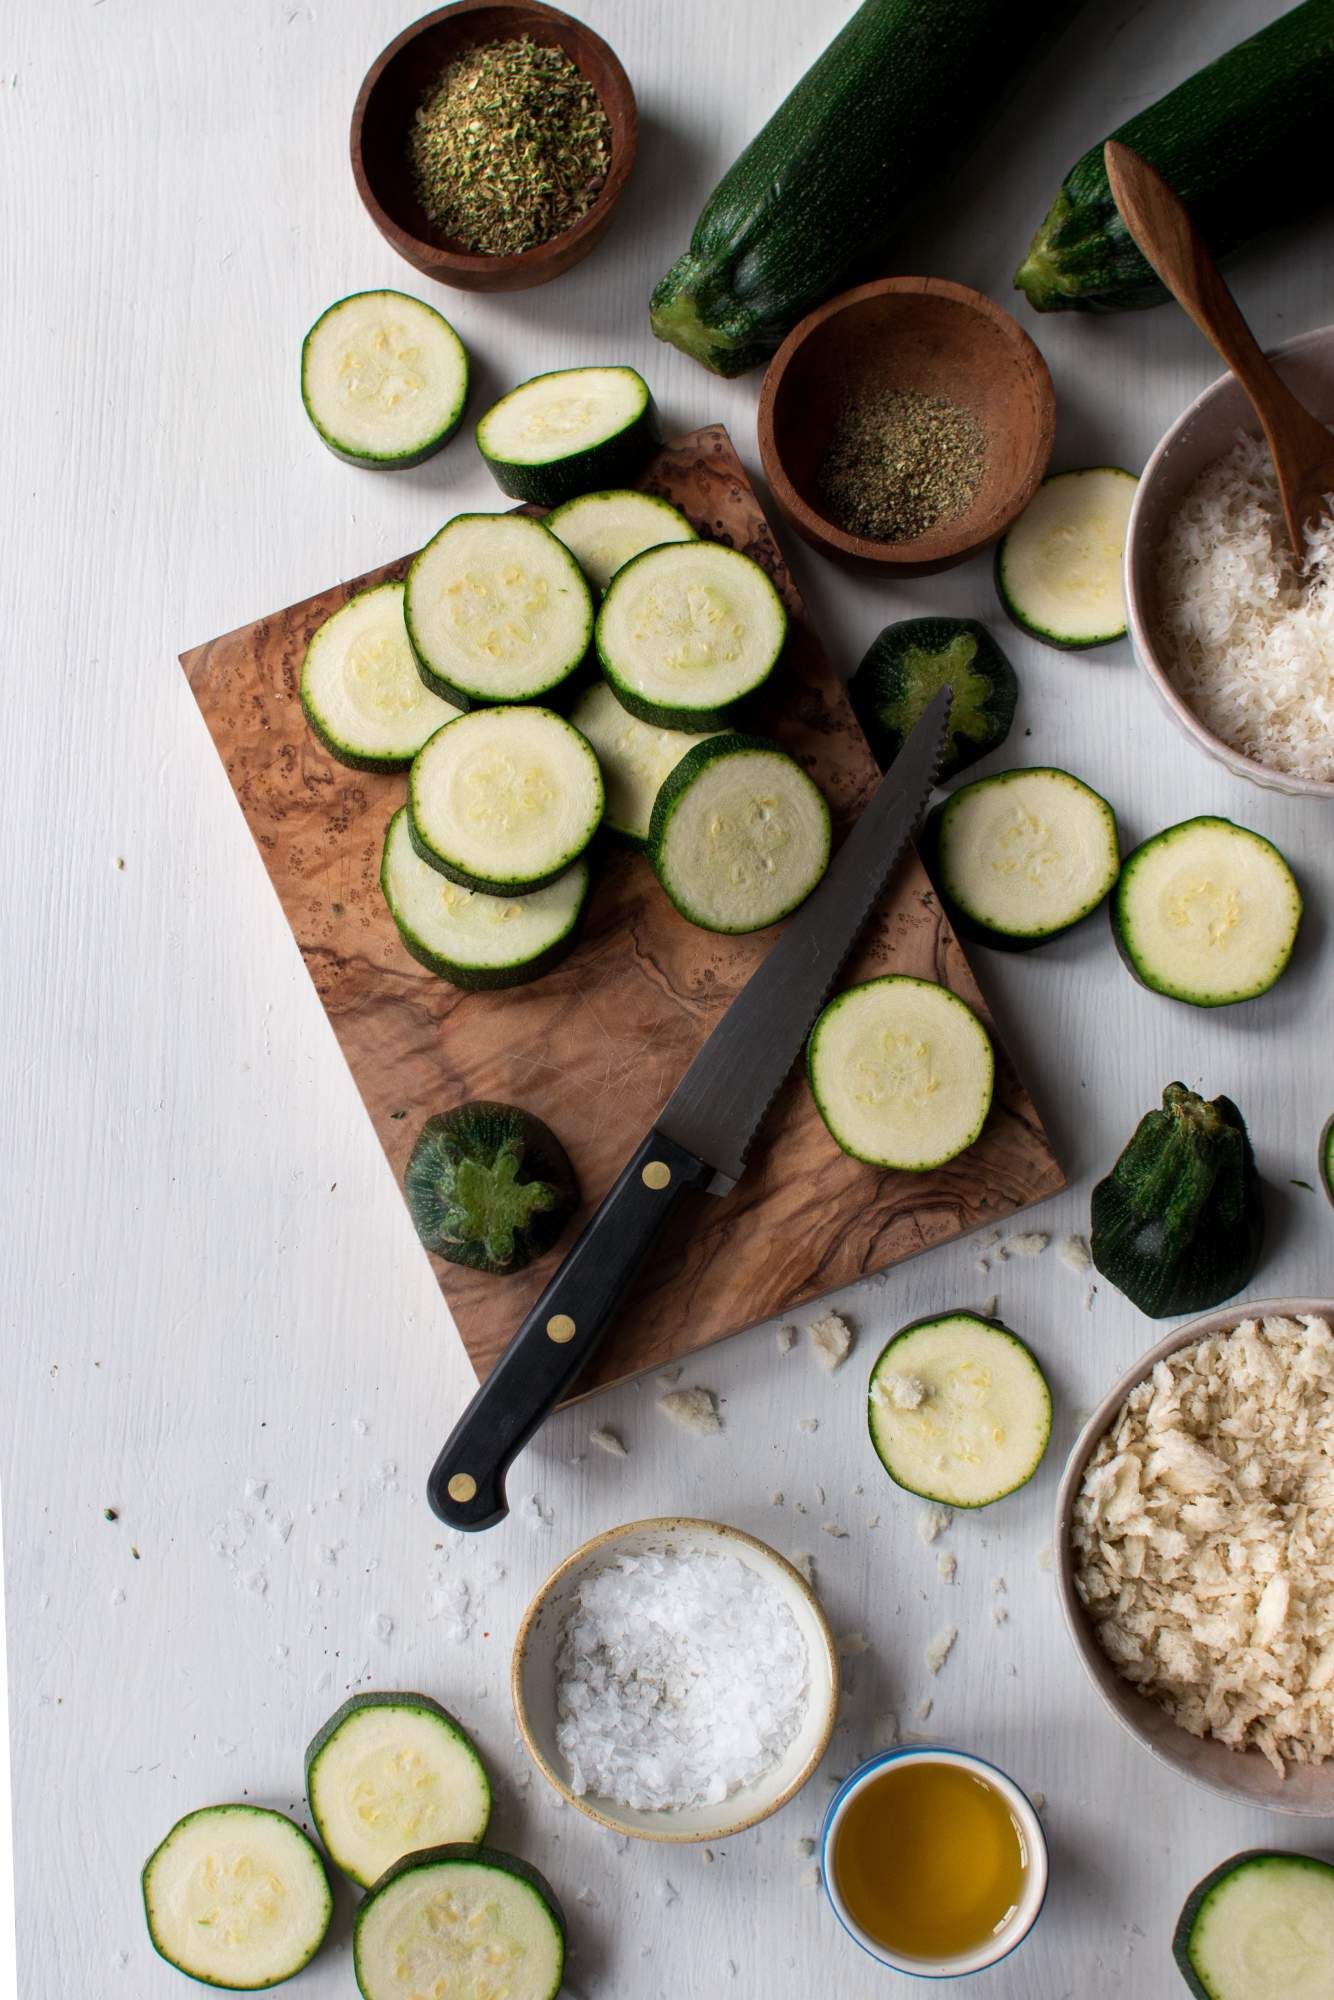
x,y
1238,646
676,1680
1195,1541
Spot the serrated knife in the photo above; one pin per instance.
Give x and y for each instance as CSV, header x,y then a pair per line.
x,y
699,1142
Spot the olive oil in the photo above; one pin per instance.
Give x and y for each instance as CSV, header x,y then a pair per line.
x,y
929,1860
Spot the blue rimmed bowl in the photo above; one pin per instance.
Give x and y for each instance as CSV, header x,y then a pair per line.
x,y
1036,1867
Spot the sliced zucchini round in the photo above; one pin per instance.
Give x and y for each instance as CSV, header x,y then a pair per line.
x,y
504,799
1058,569
384,379
477,941
902,1072
687,631
496,610
389,1774
460,1923
1259,1927
635,757
1327,1158
603,531
1022,856
960,1412
1207,912
908,663
360,689
739,834
236,1896
569,431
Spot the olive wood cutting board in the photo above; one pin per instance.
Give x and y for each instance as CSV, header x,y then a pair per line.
x,y
597,1046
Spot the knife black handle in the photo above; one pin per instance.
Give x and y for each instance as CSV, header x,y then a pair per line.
x,y
467,1484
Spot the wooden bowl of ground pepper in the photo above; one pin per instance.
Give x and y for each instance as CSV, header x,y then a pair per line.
x,y
905,424
491,143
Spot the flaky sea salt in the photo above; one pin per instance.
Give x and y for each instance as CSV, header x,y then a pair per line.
x,y
680,1678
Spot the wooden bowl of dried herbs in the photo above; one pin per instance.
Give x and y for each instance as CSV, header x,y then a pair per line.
x,y
905,424
490,143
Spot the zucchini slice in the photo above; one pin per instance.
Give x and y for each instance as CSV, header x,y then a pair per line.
x,y
1058,569
236,1896
902,1072
389,1774
1327,1158
1207,912
496,610
1260,1926
489,1186
1022,856
635,757
460,1923
687,631
477,941
603,531
384,379
360,689
568,432
909,663
960,1412
739,834
504,799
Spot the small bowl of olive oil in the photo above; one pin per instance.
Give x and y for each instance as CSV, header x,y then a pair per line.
x,y
935,1861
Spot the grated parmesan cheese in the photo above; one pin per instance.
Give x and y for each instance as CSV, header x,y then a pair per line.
x,y
1203,1537
1248,643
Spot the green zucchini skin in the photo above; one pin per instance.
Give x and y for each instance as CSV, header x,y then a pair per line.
x,y
1327,1158
1178,1225
1183,1937
1232,140
823,189
489,1186
909,662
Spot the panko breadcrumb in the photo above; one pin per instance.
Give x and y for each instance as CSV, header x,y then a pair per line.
x,y
1203,1538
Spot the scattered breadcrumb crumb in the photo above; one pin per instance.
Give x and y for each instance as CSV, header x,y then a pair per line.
x,y
805,1846
776,1497
810,1876
831,1337
901,1392
694,1409
932,1522
991,1307
786,1337
832,1528
941,1647
808,1423
608,1441
885,1731
998,1586
798,1506
804,1564
672,1374
873,1520
1038,1801
923,1709
998,1614
819,1495
1029,1243
708,1854
853,1644
1073,1251
1045,1556
1089,1296
984,1265
946,1564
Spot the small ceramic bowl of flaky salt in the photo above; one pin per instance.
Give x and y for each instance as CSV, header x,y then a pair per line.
x,y
676,1680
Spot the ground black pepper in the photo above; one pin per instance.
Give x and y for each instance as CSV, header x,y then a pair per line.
x,y
899,463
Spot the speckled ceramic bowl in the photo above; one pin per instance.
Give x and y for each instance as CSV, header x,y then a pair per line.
x,y
1199,436
1244,1775
533,1680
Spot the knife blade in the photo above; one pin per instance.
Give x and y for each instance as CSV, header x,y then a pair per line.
x,y
700,1141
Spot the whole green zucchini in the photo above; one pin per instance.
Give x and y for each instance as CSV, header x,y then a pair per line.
x,y
1241,142
884,115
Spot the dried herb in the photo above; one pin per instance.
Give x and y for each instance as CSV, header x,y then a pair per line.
x,y
900,463
509,147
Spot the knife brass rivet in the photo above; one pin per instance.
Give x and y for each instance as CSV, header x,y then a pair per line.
x,y
657,1174
462,1487
560,1328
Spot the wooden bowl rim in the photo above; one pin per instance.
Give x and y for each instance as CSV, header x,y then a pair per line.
x,y
667,1524
1119,1696
938,545
618,102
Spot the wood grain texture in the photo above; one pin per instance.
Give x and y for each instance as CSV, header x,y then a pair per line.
x,y
596,1046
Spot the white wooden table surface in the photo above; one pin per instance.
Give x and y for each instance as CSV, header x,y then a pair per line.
x,y
218,1321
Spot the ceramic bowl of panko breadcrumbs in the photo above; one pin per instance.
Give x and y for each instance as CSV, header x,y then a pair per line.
x,y
676,1680
1193,1538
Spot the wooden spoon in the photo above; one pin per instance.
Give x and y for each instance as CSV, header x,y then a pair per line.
x,y
1301,447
